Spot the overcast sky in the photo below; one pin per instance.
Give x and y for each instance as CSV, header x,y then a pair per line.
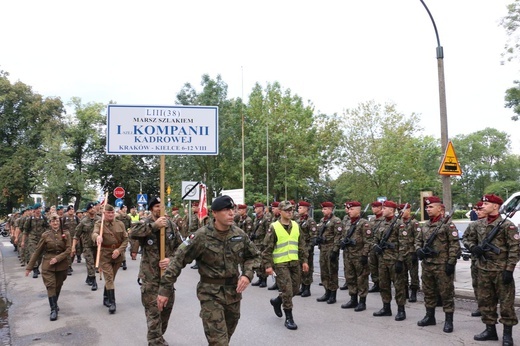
x,y
333,53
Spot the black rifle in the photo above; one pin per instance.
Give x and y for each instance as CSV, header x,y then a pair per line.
x,y
384,244
427,249
319,238
486,243
252,237
347,241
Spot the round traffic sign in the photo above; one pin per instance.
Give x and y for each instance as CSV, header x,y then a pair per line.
x,y
119,202
119,192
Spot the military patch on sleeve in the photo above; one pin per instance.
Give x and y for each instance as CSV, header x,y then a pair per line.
x,y
516,236
401,226
512,227
249,227
369,232
455,234
418,229
314,228
367,225
339,229
188,239
452,226
405,233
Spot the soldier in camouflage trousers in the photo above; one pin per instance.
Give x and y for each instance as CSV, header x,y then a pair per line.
x,y
33,229
438,266
308,229
373,260
219,248
147,233
495,270
260,227
411,261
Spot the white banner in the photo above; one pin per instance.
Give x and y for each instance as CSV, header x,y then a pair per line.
x,y
162,130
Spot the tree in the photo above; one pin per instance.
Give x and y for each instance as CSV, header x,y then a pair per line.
x,y
511,23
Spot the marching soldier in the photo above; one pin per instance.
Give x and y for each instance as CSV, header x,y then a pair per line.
x,y
345,221
495,269
285,248
391,260
84,234
147,232
438,263
127,221
113,244
411,261
33,229
220,248
260,227
330,230
69,222
373,260
356,246
308,230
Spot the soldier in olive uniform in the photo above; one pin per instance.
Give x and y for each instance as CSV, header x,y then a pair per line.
x,y
285,250
346,220
260,227
495,270
308,229
84,234
147,232
391,260
356,245
69,222
127,221
411,261
373,260
33,229
113,244
244,222
329,234
438,266
220,248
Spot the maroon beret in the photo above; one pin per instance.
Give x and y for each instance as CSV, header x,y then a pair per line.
x,y
390,204
327,204
292,202
479,205
194,204
304,204
352,204
275,204
377,204
175,208
492,199
432,200
256,205
407,205
242,206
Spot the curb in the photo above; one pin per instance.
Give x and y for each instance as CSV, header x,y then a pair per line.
x,y
468,294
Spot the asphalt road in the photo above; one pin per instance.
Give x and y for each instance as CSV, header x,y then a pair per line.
x,y
83,320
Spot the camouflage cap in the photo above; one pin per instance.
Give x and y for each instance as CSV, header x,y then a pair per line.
x,y
285,205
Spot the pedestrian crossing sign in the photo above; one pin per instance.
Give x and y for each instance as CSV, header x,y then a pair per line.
x,y
142,199
450,163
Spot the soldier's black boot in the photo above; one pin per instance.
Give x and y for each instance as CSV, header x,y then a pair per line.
x,y
94,283
289,322
35,274
78,258
448,323
69,271
257,282
352,303
401,314
273,287
112,300
124,265
429,319
407,293
413,296
324,297
489,334
332,298
57,297
385,311
476,313
106,302
37,270
54,311
362,306
344,287
88,281
306,291
263,283
277,306
375,288
507,339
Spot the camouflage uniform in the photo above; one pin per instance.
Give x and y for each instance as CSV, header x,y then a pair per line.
x,y
150,274
412,264
491,288
434,277
474,265
308,230
260,228
245,223
373,260
33,229
330,231
218,254
84,234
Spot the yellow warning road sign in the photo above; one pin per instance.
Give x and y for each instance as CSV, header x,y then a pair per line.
x,y
450,163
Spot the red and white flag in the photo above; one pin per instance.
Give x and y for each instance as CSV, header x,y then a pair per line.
x,y
203,207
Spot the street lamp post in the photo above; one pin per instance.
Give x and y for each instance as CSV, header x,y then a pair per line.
x,y
140,187
446,184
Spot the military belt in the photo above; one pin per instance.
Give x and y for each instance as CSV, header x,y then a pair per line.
x,y
223,282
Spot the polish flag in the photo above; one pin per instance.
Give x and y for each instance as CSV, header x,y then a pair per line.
x,y
203,207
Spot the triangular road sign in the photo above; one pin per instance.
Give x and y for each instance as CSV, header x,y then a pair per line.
x,y
450,163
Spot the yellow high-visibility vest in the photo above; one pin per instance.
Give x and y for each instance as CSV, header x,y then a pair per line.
x,y
286,248
135,218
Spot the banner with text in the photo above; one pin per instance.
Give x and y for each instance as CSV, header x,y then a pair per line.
x,y
162,130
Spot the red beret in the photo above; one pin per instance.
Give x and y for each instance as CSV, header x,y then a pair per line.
x,y
175,208
194,204
352,204
256,205
390,204
479,205
377,204
275,204
292,202
407,205
432,200
327,204
492,199
242,206
304,204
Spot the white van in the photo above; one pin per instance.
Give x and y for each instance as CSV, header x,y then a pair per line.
x,y
509,205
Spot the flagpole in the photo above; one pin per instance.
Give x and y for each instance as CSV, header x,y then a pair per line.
x,y
162,241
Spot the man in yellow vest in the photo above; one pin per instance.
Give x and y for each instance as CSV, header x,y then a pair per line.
x,y
285,247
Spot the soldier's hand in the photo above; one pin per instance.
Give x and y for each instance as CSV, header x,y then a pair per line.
x,y
378,249
133,255
269,271
305,267
399,267
507,277
27,272
115,254
72,252
163,264
449,269
420,254
363,260
243,282
160,222
414,257
334,256
99,240
477,250
161,302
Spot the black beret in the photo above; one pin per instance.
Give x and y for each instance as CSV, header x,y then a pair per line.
x,y
90,206
222,202
154,201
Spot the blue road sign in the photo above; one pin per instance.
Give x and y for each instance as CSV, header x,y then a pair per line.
x,y
119,202
142,199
